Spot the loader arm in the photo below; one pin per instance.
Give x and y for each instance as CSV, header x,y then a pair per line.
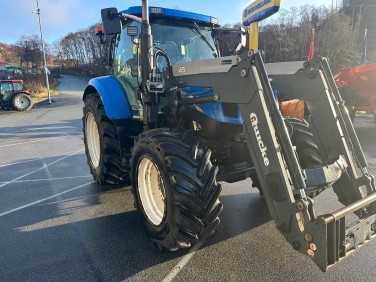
x,y
243,80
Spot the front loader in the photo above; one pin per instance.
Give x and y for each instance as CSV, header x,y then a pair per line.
x,y
174,118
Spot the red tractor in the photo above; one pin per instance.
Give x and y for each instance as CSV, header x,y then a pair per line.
x,y
13,95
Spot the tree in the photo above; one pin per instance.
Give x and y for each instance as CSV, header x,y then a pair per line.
x,y
287,38
30,50
81,51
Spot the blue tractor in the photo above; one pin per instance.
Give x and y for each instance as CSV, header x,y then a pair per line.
x,y
174,117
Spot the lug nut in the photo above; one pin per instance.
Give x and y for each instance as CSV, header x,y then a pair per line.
x,y
313,247
308,237
301,206
310,253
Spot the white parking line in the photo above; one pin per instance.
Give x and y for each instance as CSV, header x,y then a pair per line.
x,y
34,160
44,199
27,161
183,262
34,130
43,167
34,141
49,179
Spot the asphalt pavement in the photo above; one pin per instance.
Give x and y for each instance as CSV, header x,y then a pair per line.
x,y
57,225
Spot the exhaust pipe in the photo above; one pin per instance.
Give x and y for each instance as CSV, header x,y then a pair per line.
x,y
146,44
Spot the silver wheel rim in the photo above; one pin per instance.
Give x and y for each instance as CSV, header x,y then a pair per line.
x,y
92,140
22,102
151,190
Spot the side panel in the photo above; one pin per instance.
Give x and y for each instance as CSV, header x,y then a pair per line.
x,y
213,110
113,96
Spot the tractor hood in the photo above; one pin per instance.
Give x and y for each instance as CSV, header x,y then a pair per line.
x,y
156,12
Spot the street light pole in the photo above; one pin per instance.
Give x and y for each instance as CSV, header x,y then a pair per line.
x,y
44,54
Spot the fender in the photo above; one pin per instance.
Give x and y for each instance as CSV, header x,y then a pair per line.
x,y
21,91
113,97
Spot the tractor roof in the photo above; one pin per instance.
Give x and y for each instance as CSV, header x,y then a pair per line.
x,y
171,13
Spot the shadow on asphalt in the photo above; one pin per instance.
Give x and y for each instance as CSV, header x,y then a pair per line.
x,y
71,127
111,247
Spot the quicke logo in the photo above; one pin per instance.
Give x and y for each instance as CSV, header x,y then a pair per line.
x,y
263,148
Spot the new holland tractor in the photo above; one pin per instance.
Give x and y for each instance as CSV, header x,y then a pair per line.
x,y
174,118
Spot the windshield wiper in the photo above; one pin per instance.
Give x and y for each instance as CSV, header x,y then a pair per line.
x,y
199,32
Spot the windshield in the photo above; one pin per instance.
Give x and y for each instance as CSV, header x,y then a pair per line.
x,y
184,42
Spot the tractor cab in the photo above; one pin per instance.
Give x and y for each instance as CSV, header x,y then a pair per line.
x,y
8,87
182,36
185,37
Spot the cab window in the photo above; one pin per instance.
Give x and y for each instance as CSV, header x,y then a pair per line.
x,y
6,87
17,86
125,54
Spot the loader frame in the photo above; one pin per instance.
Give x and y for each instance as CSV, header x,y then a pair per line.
x,y
244,81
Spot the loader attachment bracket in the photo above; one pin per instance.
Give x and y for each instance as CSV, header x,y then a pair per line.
x,y
335,241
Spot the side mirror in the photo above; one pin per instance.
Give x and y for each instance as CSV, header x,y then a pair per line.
x,y
111,21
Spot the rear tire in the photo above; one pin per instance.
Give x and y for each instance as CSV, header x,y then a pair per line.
x,y
102,144
175,188
21,102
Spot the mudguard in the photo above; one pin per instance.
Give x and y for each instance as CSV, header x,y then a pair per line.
x,y
112,94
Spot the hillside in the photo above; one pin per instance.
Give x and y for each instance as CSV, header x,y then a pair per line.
x,y
8,53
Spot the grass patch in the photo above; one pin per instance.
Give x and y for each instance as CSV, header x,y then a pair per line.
x,y
43,89
36,84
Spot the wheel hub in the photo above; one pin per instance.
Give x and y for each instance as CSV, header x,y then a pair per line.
x,y
151,190
22,102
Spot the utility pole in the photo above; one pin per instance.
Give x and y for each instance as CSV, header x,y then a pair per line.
x,y
44,54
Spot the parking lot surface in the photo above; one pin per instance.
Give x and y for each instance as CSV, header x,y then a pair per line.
x,y
57,225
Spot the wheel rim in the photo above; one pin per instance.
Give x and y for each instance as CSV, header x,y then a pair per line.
x,y
22,102
92,140
151,190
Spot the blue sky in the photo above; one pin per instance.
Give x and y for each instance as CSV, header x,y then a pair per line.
x,y
59,17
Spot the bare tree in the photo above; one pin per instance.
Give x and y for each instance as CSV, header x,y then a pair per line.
x,y
288,37
30,50
81,52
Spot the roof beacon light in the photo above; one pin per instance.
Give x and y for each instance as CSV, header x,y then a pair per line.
x,y
98,29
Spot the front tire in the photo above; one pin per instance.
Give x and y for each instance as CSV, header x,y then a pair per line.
x,y
102,144
306,148
175,188
21,102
